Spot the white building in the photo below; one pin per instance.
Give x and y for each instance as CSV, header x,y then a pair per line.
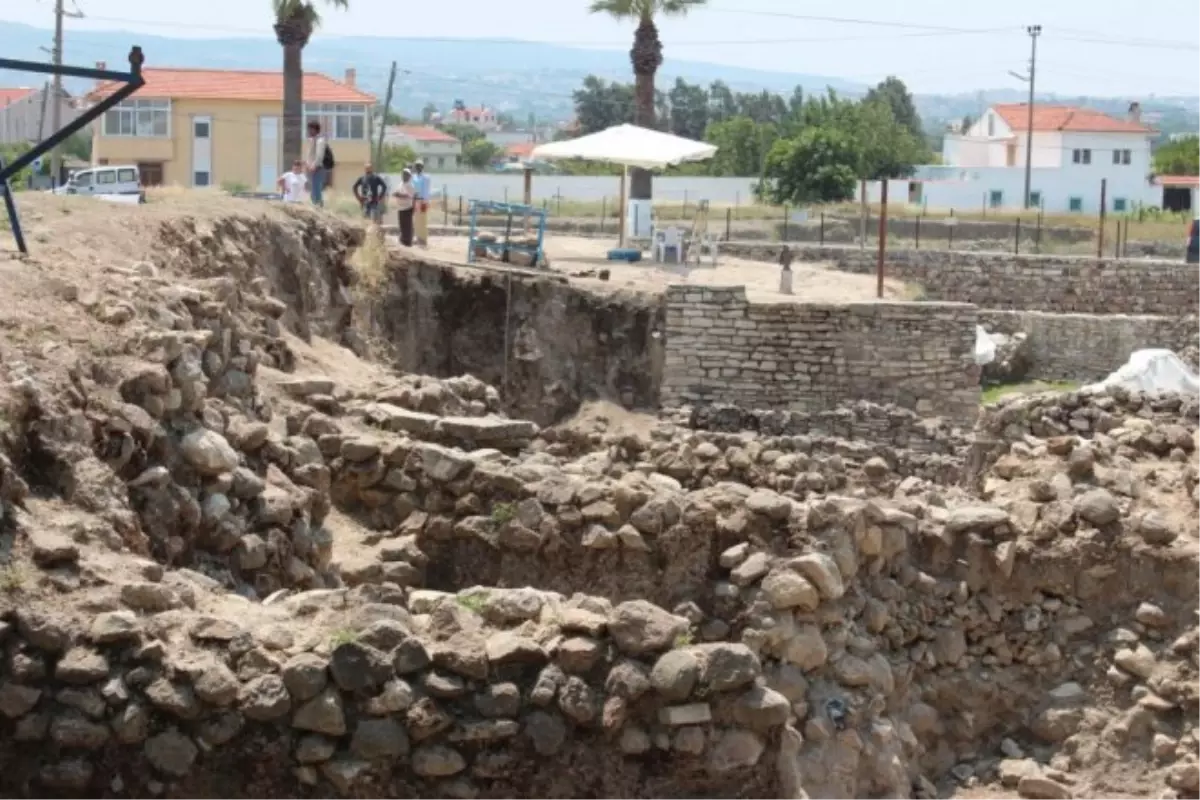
x,y
26,114
1074,149
440,151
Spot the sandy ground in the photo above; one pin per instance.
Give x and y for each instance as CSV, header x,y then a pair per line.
x,y
577,257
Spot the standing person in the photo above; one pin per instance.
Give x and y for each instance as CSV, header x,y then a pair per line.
x,y
420,183
370,191
291,183
405,201
319,162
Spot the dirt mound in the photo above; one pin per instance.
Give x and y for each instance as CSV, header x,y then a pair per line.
x,y
239,558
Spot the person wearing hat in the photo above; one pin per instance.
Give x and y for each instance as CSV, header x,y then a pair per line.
x,y
405,195
420,184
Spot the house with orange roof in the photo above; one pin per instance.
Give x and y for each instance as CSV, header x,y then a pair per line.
x,y
440,151
1074,150
210,127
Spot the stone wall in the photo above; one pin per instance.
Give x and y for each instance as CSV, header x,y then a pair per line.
x,y
1087,347
1055,283
812,357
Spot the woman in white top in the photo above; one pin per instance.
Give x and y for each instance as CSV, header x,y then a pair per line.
x,y
405,195
318,175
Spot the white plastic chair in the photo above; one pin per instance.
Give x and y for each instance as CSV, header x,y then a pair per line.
x,y
668,240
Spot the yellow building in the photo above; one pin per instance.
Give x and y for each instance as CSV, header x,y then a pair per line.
x,y
207,127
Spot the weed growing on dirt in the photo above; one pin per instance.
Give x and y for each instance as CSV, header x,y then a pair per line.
x,y
502,514
472,602
342,636
12,578
684,639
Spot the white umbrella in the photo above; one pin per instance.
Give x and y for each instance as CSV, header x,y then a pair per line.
x,y
630,146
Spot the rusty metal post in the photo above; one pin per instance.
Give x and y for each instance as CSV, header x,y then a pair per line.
x,y
728,224
918,233
1103,202
882,238
1017,238
822,231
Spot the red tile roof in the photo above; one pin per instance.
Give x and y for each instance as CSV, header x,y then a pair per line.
x,y
220,84
421,133
520,149
13,95
1065,118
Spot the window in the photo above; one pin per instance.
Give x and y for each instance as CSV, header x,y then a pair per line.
x,y
1122,156
1035,199
1119,204
1075,204
106,177
202,129
338,120
995,198
141,118
441,161
1082,156
127,176
83,179
200,178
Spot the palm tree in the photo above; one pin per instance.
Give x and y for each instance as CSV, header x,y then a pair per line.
x,y
295,21
646,57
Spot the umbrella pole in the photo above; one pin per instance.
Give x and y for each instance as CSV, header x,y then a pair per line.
x,y
621,207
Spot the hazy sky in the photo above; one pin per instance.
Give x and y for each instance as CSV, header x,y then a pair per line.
x,y
765,34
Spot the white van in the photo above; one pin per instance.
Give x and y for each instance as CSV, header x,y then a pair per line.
x,y
107,181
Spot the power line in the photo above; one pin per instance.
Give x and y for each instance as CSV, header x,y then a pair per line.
x,y
568,42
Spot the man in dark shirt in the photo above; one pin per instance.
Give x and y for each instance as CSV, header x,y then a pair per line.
x,y
371,191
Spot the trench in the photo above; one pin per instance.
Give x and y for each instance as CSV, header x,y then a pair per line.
x,y
546,345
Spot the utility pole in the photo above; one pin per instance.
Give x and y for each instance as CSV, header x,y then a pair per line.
x,y
57,91
387,106
1034,32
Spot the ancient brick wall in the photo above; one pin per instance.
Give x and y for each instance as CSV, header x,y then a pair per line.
x,y
1056,283
812,357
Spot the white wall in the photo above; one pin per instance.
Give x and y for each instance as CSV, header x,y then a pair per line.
x,y
19,119
970,190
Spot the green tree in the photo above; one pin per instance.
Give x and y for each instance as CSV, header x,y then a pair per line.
x,y
887,149
295,21
478,153
689,109
600,104
646,58
892,92
464,133
742,146
818,165
721,102
1178,157
395,157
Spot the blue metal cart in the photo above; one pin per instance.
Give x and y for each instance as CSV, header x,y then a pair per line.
x,y
509,211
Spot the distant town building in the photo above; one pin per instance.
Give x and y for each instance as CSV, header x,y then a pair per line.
x,y
26,114
481,117
440,151
1073,148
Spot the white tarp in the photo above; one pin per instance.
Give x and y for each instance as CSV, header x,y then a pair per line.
x,y
1151,371
985,347
630,146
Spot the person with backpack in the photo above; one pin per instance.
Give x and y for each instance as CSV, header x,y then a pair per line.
x,y
320,162
370,191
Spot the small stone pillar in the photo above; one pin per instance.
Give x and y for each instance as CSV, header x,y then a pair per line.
x,y
785,274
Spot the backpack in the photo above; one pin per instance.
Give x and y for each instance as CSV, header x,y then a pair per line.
x,y
327,161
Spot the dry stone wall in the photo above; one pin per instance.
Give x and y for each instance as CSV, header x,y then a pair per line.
x,y
1059,284
812,357
1087,347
